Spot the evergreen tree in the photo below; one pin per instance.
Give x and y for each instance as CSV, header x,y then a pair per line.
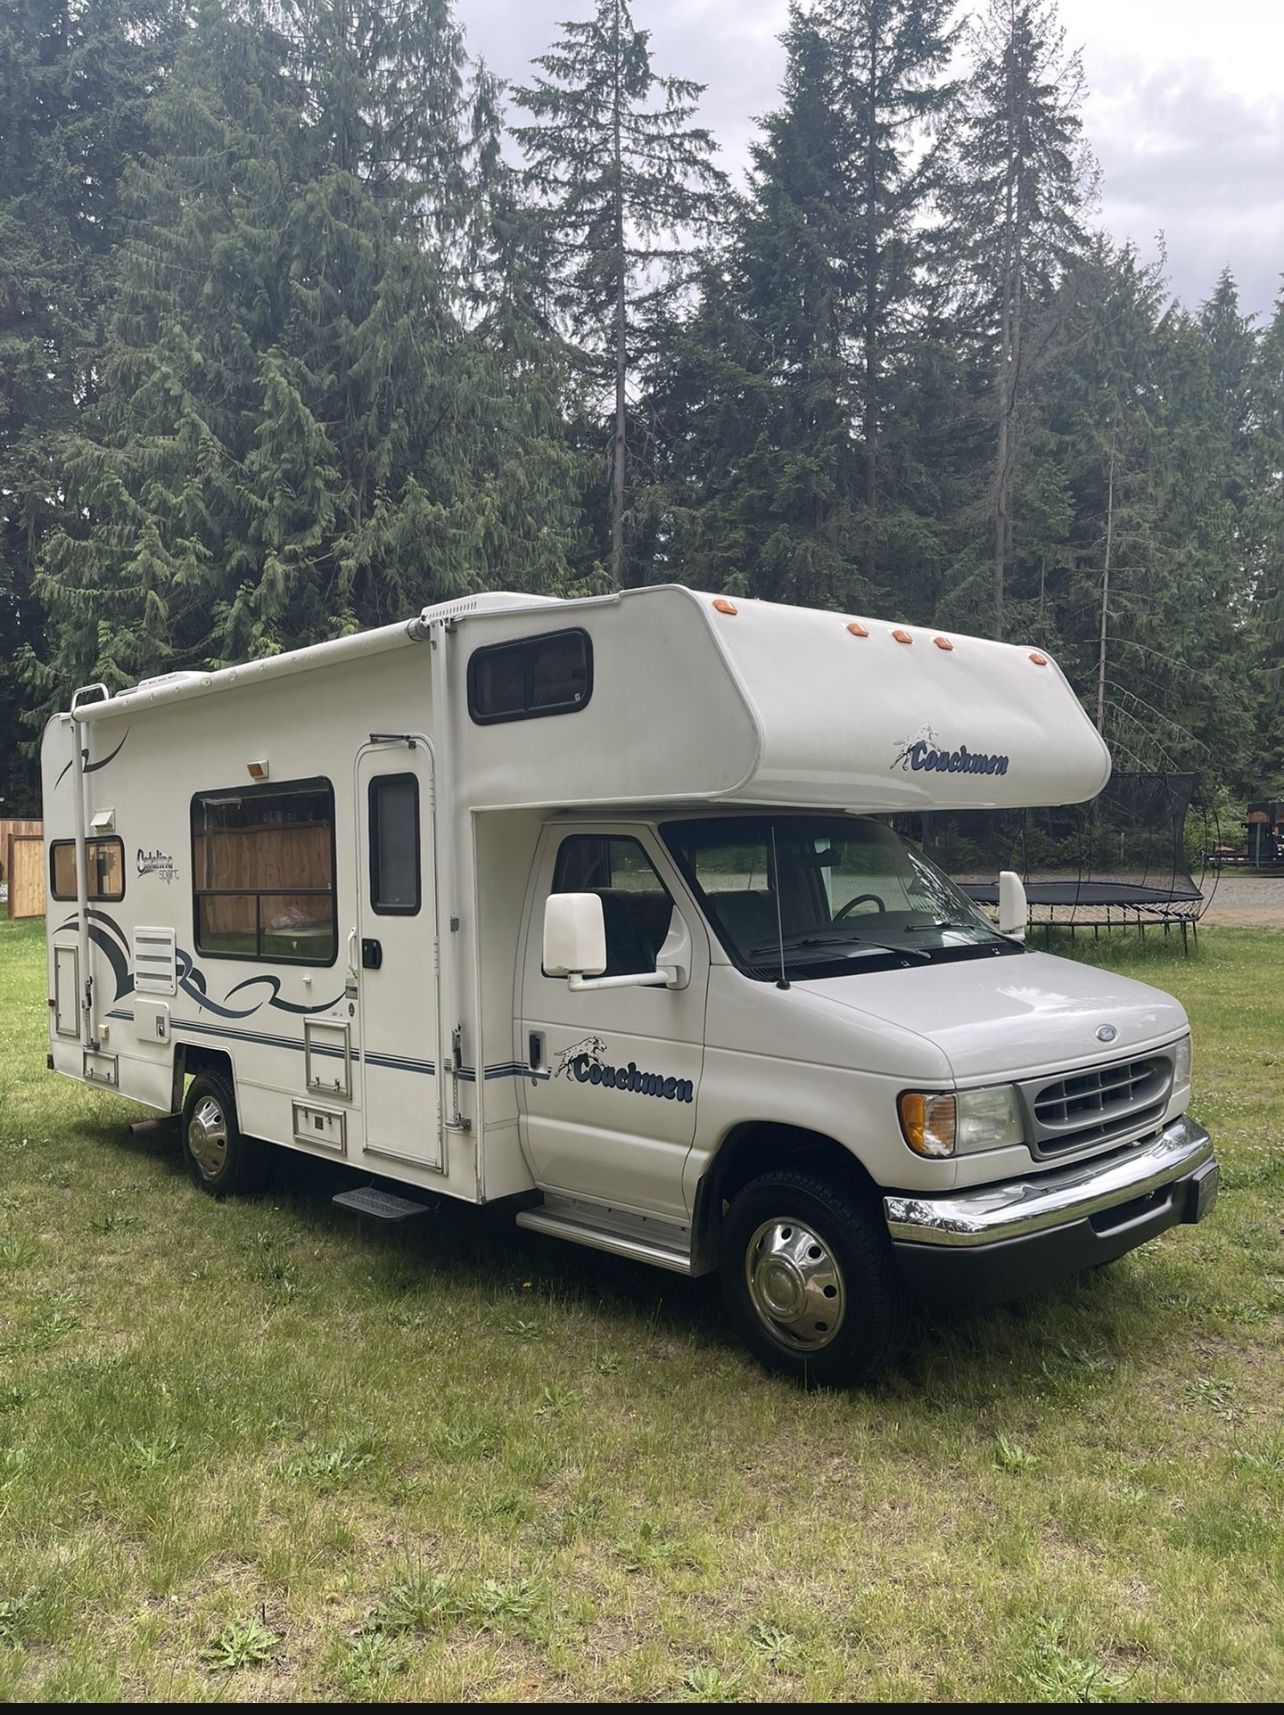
x,y
627,178
302,430
75,79
1267,534
1014,202
759,402
888,58
809,454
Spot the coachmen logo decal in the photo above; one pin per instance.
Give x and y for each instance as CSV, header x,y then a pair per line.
x,y
926,751
583,1061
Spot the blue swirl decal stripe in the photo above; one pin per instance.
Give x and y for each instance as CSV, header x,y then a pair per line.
x,y
93,767
191,981
116,951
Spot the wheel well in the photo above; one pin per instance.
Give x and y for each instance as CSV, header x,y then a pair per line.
x,y
758,1147
197,1059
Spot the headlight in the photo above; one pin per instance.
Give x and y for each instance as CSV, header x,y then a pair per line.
x,y
988,1118
1181,1063
936,1125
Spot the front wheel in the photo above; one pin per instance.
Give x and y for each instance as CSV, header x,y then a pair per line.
x,y
809,1281
220,1158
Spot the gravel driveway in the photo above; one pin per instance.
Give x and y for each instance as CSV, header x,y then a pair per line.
x,y
1246,901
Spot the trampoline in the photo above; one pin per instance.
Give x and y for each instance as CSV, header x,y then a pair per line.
x,y
1120,862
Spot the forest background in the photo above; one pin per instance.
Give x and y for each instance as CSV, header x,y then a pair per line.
x,y
307,321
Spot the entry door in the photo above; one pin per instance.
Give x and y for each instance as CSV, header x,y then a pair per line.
x,y
397,954
611,1111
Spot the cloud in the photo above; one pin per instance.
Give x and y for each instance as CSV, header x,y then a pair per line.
x,y
1204,164
1182,152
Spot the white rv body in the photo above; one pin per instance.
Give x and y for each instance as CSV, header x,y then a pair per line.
x,y
425,1040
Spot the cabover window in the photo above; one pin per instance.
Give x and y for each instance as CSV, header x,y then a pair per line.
x,y
263,873
550,675
104,862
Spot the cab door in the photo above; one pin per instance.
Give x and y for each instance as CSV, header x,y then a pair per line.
x,y
397,953
611,1103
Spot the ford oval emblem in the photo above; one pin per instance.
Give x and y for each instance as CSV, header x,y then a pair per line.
x,y
1106,1033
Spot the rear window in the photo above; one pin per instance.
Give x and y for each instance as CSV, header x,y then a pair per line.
x,y
104,862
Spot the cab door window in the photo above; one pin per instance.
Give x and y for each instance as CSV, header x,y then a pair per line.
x,y
636,905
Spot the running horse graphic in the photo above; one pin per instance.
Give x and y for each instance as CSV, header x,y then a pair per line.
x,y
590,1048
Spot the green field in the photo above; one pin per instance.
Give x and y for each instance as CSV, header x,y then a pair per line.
x,y
260,1451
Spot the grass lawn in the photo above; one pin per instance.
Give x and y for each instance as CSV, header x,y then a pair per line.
x,y
259,1450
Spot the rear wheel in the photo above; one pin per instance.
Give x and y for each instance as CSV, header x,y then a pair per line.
x,y
809,1281
220,1158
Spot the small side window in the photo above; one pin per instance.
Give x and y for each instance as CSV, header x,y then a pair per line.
x,y
636,905
394,845
104,861
551,675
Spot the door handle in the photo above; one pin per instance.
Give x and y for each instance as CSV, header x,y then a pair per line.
x,y
371,953
535,1050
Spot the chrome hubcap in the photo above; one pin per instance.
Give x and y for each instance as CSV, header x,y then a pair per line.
x,y
795,1284
207,1137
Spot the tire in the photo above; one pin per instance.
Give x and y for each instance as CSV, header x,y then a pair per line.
x,y
809,1281
220,1158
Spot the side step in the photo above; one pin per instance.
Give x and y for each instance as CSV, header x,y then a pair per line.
x,y
380,1205
581,1232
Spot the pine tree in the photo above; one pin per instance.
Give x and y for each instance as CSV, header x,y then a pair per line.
x,y
888,60
1018,181
764,465
627,180
303,430
75,79
1267,536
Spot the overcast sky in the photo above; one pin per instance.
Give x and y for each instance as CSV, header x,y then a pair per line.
x,y
1185,110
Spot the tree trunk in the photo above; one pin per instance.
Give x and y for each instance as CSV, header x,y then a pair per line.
x,y
619,444
1105,576
870,422
1005,383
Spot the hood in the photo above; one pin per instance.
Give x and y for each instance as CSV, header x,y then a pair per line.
x,y
1009,1017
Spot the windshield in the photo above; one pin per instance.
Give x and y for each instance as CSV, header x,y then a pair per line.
x,y
838,893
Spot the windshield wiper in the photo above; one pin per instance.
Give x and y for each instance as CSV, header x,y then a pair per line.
x,y
834,944
947,923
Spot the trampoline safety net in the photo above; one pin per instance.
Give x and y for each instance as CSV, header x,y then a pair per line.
x,y
1121,861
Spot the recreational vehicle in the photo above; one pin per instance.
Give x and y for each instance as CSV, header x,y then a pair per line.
x,y
593,907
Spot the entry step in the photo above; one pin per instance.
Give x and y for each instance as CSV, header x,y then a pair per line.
x,y
380,1205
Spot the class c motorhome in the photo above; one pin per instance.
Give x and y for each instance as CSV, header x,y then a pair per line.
x,y
587,905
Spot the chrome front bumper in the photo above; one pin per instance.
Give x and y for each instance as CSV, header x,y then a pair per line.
x,y
1019,1208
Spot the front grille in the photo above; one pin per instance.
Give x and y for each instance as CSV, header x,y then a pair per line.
x,y
1097,1105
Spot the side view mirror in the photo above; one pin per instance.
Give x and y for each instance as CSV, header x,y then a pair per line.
x,y
575,948
574,935
1013,910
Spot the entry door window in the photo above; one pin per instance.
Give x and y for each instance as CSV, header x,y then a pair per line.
x,y
394,845
636,905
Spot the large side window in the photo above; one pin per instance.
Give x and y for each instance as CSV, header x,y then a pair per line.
x,y
394,845
263,873
636,904
104,861
551,675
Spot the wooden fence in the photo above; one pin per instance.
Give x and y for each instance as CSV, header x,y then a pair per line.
x,y
22,865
